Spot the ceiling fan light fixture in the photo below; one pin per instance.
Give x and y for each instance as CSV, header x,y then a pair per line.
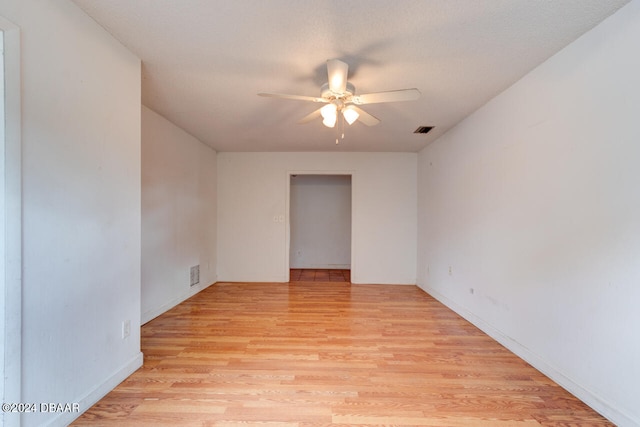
x,y
338,94
329,110
350,114
329,114
330,121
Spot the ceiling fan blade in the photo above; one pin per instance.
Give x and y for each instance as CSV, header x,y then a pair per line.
x,y
294,97
390,96
310,117
337,72
365,117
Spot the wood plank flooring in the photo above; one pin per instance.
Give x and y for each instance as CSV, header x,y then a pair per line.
x,y
319,275
328,354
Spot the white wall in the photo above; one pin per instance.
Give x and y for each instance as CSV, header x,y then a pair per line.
x,y
178,214
253,190
533,202
320,221
81,206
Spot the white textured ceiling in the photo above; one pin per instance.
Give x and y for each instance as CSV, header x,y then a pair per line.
x,y
204,61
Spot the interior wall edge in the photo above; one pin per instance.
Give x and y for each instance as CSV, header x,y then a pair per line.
x,y
11,200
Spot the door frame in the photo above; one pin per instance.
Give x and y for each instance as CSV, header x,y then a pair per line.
x,y
11,224
350,173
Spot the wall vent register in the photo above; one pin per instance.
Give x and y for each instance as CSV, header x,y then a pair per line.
x,y
195,275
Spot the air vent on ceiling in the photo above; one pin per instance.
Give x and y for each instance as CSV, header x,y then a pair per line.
x,y
423,129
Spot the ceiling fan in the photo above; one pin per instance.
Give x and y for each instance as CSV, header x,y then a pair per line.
x,y
340,97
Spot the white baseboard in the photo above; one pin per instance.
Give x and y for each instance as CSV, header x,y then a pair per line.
x,y
600,405
91,398
155,312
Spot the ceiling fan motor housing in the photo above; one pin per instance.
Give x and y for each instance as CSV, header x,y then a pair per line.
x,y
327,93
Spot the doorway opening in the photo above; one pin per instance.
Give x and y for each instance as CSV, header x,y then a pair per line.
x,y
320,212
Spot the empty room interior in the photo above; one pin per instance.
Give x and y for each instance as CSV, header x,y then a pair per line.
x,y
461,177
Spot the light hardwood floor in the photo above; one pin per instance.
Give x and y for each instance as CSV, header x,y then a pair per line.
x,y
319,275
328,354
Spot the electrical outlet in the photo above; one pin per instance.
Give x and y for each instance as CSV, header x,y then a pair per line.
x,y
126,328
